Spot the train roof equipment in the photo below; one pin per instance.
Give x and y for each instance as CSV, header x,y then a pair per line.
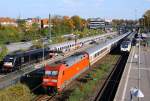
x,y
70,60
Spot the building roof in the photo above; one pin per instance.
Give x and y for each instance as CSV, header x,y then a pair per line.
x,y
7,19
45,21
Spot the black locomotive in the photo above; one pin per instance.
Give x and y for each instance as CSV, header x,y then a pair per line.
x,y
17,60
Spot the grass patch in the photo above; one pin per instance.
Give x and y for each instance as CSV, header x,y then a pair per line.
x,y
18,92
83,91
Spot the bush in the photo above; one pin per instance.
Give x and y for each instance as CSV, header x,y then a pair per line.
x,y
17,92
3,52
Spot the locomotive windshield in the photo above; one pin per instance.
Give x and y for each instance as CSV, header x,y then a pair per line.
x,y
51,73
9,59
125,44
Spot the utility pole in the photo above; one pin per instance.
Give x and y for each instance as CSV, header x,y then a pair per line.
x,y
139,70
135,14
50,36
43,50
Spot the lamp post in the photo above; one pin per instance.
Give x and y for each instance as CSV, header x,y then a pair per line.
x,y
43,50
50,36
139,70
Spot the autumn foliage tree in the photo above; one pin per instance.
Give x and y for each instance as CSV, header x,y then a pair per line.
x,y
147,19
67,25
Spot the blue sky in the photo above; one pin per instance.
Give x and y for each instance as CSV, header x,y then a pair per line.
x,y
85,8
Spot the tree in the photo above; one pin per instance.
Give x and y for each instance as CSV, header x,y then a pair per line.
x,y
37,44
84,24
147,13
147,19
56,29
3,52
76,22
21,25
67,24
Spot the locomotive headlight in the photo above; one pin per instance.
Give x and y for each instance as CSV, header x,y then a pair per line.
x,y
53,80
45,80
8,64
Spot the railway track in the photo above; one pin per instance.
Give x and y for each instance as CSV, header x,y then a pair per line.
x,y
108,90
2,75
44,98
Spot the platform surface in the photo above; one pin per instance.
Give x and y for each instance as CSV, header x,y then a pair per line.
x,y
131,78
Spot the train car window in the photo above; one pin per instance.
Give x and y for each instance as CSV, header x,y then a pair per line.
x,y
95,55
67,65
22,59
26,58
63,72
103,50
18,61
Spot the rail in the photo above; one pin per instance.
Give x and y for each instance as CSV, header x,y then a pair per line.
x,y
97,98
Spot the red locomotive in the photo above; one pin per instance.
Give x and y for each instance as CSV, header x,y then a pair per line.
x,y
61,73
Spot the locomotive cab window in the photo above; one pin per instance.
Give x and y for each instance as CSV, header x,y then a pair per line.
x,y
51,73
9,61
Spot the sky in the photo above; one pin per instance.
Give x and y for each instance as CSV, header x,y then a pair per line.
x,y
107,9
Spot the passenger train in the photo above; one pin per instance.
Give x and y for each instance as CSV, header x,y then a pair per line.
x,y
71,45
59,74
17,60
126,46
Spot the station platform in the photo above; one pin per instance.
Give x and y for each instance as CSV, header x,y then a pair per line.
x,y
135,76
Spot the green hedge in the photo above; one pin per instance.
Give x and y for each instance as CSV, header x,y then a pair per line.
x,y
17,92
